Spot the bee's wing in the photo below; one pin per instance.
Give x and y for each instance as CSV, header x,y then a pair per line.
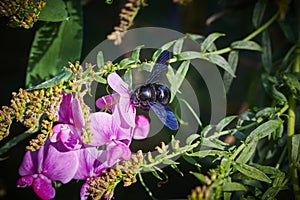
x,y
165,114
160,67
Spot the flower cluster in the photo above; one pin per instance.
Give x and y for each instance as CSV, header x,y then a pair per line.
x,y
66,156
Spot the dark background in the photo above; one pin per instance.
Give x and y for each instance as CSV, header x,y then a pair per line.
x,y
99,20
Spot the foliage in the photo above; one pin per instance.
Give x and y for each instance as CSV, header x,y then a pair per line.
x,y
253,154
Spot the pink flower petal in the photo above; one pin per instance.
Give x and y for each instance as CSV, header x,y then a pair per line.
x,y
42,186
60,166
100,128
117,151
29,165
107,100
84,194
25,181
142,127
77,114
64,111
117,84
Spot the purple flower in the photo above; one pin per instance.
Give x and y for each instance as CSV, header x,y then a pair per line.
x,y
40,168
67,133
105,131
123,110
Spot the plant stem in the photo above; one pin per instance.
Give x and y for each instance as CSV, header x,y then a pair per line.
x,y
292,115
251,36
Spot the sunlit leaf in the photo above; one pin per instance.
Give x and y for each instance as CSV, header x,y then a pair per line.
x,y
195,37
199,176
214,143
266,112
100,59
192,111
206,130
252,172
178,45
221,62
192,138
127,61
209,40
189,55
204,153
295,153
161,49
128,78
54,11
248,151
246,45
233,186
54,45
224,122
177,78
136,52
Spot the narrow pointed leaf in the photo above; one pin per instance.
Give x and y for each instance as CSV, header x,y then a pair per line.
x,y
54,11
221,62
136,52
295,154
209,41
189,55
204,153
161,49
192,138
266,56
224,122
258,12
214,143
246,45
178,45
233,186
233,62
199,176
252,172
248,151
100,59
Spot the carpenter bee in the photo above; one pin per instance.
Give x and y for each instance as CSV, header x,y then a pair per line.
x,y
155,96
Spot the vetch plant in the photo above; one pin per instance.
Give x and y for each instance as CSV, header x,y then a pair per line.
x,y
252,153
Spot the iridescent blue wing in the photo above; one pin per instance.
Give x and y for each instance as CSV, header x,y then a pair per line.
x,y
160,67
165,114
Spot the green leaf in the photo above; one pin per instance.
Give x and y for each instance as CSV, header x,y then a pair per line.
x,y
128,78
65,75
247,45
177,79
192,111
233,62
224,122
54,11
161,49
252,172
248,151
199,176
100,79
295,153
204,153
192,138
209,41
206,130
136,52
266,112
126,61
264,129
190,160
221,62
258,12
195,37
175,167
178,45
233,186
54,45
266,56
287,27
214,143
267,169
189,55
100,59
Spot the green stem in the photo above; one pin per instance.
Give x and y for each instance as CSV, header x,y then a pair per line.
x,y
146,187
251,36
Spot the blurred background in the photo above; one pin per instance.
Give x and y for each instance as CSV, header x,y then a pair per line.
x,y
200,17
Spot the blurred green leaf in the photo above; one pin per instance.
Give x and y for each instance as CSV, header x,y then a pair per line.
x,y
224,122
195,37
204,153
161,49
264,129
177,78
221,62
248,151
100,79
199,176
178,45
189,55
192,111
266,56
136,52
54,11
214,143
258,12
252,172
288,30
295,153
175,167
209,41
270,84
266,112
206,130
128,79
126,61
292,82
233,186
190,160
100,59
246,45
54,45
192,138
233,62
267,169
